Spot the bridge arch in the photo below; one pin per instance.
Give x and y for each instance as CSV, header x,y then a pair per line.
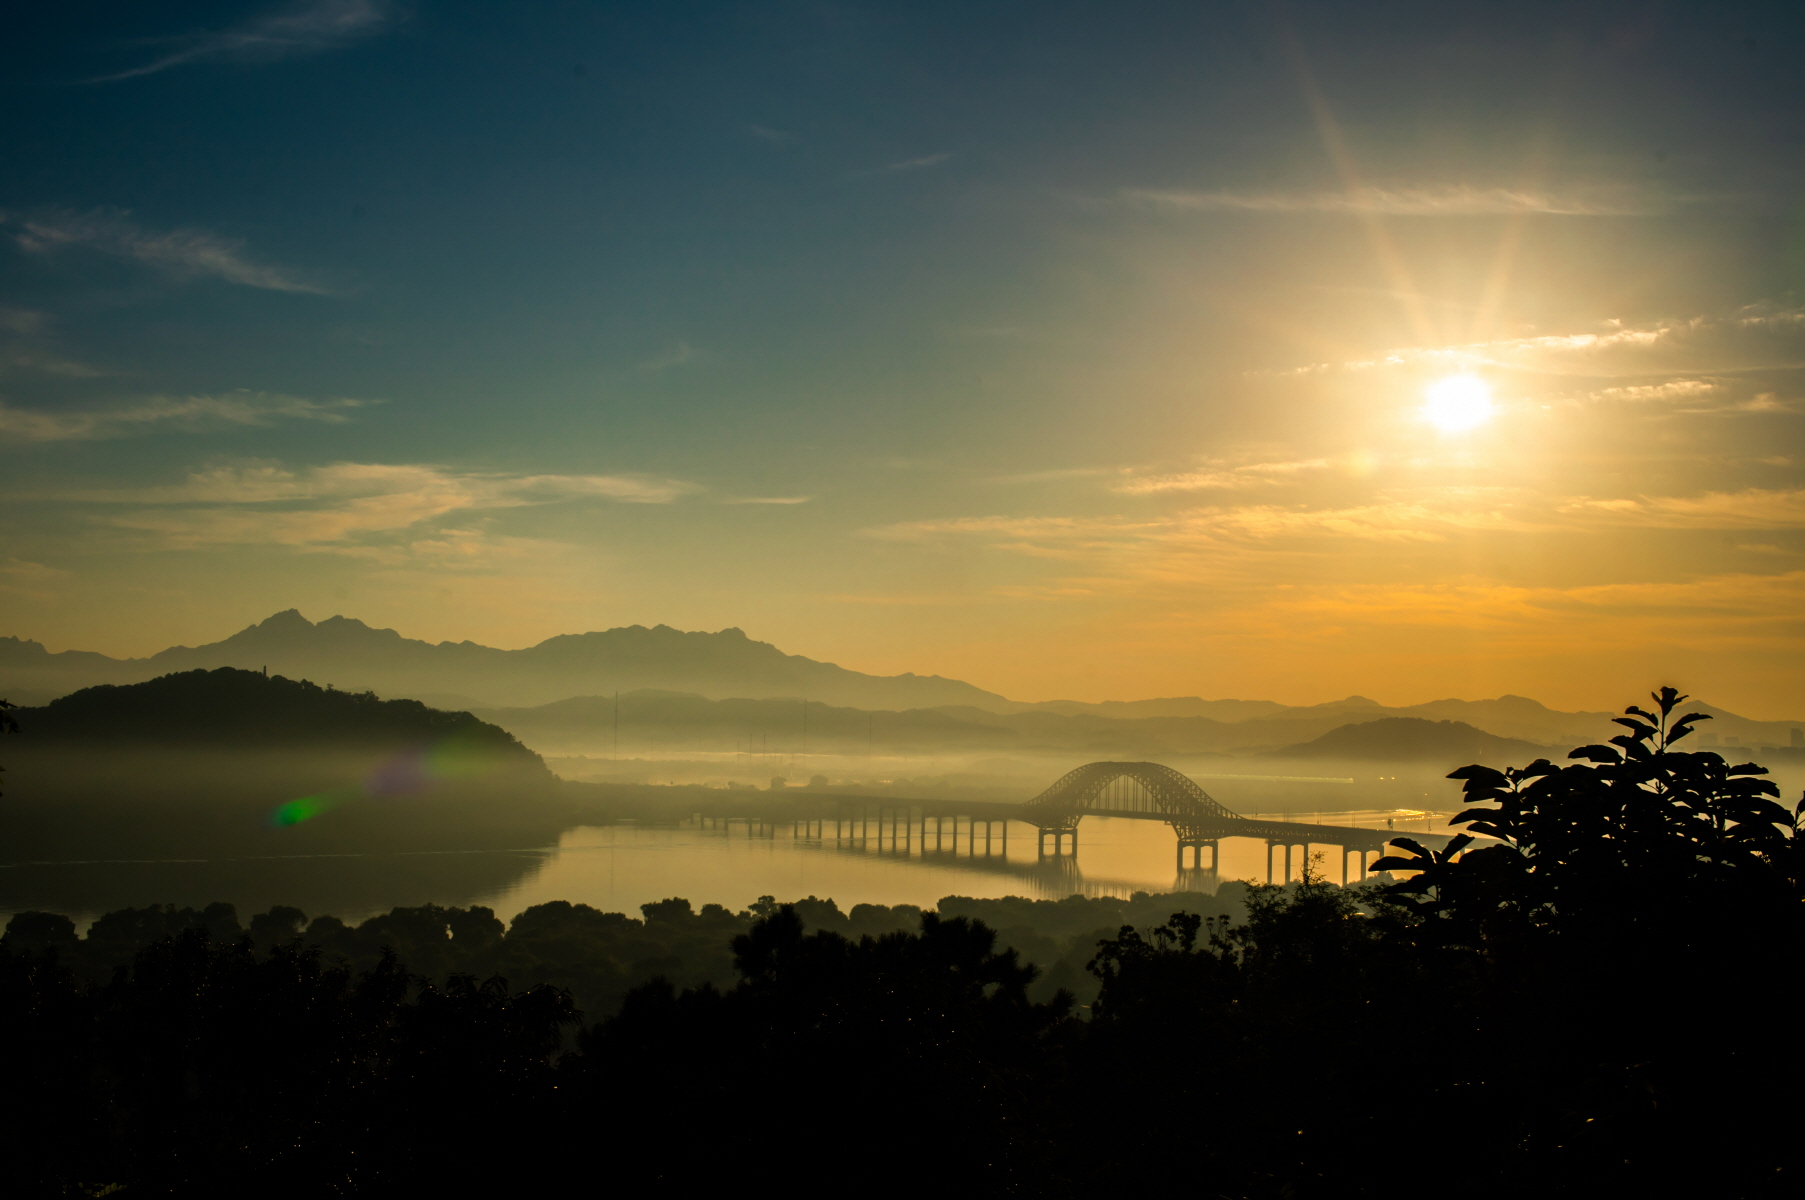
x,y
1192,812
1195,816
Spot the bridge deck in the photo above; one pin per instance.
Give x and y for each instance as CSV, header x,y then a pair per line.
x,y
794,805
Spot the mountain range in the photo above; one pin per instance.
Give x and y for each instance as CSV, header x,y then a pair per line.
x,y
673,724
352,656
579,674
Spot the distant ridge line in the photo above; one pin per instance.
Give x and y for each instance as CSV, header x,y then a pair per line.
x,y
728,664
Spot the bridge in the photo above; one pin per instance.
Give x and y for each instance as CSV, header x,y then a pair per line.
x,y
1135,790
1151,791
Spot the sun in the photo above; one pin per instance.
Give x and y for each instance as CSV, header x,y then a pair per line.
x,y
1458,403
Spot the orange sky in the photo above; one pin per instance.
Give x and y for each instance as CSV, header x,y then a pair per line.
x,y
1118,391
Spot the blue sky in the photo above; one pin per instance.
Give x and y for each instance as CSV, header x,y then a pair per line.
x,y
1072,349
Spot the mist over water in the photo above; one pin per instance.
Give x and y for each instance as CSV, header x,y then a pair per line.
x,y
139,844
619,866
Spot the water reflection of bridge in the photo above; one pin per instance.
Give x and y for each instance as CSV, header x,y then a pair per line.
x,y
1133,790
877,833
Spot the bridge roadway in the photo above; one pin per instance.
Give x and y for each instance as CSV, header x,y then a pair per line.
x,y
1136,791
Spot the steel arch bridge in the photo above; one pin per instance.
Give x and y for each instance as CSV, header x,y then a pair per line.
x,y
1141,788
1155,792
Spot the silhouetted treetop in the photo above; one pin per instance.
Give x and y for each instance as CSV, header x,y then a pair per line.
x,y
1638,819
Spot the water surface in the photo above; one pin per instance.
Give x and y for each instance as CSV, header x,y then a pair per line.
x,y
618,867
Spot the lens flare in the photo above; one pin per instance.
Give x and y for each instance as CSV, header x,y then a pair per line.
x,y
1458,403
402,774
307,807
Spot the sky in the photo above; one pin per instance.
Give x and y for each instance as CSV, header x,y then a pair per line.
x,y
1094,351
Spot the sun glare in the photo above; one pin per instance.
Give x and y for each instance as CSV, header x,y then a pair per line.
x,y
1458,403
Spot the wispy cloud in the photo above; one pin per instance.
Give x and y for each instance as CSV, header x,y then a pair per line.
x,y
766,134
769,500
1223,476
1754,338
1752,508
1388,519
1457,200
678,355
20,320
1056,475
1673,389
180,252
1725,397
908,164
189,413
19,568
50,364
1401,515
304,28
30,580
341,505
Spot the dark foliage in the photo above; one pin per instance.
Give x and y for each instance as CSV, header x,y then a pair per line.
x,y
1635,930
827,1045
207,1069
1594,1003
7,723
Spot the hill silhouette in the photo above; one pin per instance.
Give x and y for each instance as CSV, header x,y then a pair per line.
x,y
229,762
728,665
356,657
1413,739
668,722
230,708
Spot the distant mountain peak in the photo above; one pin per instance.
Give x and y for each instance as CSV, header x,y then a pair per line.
x,y
352,655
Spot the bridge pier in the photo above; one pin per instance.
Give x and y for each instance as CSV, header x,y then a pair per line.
x,y
1362,852
901,827
943,832
1196,847
1303,855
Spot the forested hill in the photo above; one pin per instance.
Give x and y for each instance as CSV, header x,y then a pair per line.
x,y
229,708
1413,739
229,762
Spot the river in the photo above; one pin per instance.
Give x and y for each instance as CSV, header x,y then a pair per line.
x,y
618,867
